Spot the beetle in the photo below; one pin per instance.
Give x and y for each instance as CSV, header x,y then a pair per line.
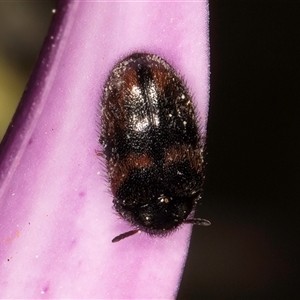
x,y
152,145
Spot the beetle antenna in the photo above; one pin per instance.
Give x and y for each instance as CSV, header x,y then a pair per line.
x,y
197,221
125,235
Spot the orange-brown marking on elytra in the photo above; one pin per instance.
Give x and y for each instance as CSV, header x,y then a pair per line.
x,y
119,171
120,88
161,78
130,79
185,152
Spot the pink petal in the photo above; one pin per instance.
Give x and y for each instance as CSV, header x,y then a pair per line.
x,y
56,216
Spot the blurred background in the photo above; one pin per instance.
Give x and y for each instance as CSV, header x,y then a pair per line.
x,y
251,193
23,27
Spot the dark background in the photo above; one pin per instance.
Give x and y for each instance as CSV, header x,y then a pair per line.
x,y
251,192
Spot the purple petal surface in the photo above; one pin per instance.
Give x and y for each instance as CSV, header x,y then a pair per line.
x,y
56,216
